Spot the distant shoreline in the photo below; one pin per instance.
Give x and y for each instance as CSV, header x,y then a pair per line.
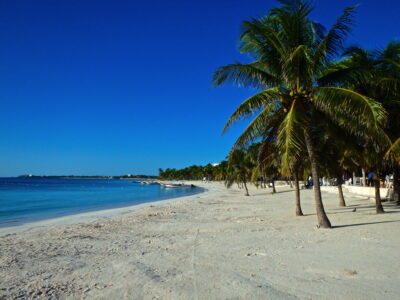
x,y
85,177
92,215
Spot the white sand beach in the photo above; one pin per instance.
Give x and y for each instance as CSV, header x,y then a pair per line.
x,y
215,245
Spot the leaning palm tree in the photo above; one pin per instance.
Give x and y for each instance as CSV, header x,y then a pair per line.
x,y
291,55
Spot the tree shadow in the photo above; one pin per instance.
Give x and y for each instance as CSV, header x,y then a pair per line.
x,y
361,224
341,212
387,205
392,204
279,192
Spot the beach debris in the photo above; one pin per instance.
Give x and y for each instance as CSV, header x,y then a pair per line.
x,y
354,210
256,254
350,272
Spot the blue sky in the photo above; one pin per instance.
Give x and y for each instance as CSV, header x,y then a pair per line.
x,y
116,87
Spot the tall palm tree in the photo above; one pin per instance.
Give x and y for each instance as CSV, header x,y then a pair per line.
x,y
291,55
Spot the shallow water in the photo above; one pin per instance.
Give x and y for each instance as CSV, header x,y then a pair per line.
x,y
24,200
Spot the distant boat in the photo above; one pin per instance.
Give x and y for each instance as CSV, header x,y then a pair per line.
x,y
177,185
172,185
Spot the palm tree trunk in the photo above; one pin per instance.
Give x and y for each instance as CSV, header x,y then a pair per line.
x,y
339,180
396,184
297,192
378,202
364,179
273,186
323,220
341,197
245,186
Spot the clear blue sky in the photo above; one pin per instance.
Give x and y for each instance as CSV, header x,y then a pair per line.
x,y
116,87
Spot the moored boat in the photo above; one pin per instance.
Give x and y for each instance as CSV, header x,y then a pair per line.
x,y
177,185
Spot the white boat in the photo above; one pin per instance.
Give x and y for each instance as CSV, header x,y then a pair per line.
x,y
172,185
148,182
177,185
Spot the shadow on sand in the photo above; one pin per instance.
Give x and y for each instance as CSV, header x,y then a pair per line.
x,y
361,224
387,205
287,191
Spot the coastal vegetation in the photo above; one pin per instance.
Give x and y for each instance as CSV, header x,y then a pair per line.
x,y
322,109
313,90
208,172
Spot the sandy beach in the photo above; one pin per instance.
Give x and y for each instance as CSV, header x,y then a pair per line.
x,y
215,245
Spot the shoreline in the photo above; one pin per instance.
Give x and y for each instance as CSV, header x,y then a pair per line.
x,y
218,244
94,215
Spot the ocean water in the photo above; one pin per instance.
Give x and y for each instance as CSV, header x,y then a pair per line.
x,y
24,200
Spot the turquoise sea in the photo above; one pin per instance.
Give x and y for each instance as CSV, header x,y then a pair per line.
x,y
24,200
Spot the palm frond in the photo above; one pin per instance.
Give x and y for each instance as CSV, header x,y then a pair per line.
x,y
296,66
391,61
260,35
249,75
258,127
332,44
290,137
253,104
346,101
394,151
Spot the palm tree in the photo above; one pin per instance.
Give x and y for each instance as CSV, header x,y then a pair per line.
x,y
394,154
298,167
220,170
239,169
268,161
342,151
291,55
376,73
